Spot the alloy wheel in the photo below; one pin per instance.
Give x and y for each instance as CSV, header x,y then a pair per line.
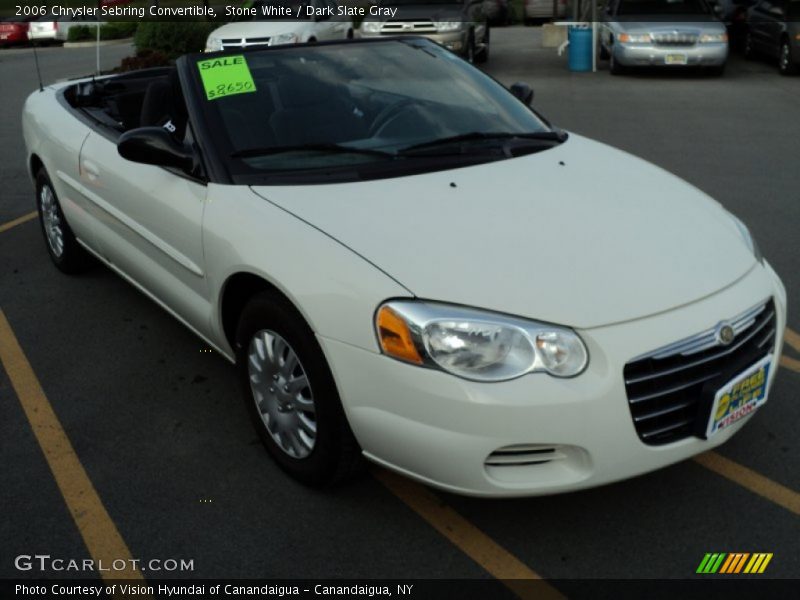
x,y
51,218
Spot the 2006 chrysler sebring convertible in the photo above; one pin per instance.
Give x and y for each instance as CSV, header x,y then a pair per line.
x,y
408,263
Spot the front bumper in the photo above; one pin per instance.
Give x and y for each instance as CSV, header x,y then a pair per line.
x,y
649,55
440,429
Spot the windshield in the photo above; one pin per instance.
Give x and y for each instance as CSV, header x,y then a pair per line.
x,y
663,7
330,109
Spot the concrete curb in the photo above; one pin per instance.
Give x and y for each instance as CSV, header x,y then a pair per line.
x,y
92,43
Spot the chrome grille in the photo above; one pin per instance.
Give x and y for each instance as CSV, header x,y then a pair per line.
x,y
665,387
244,42
414,27
674,38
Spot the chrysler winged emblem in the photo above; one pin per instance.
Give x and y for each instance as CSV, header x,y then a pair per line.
x,y
724,334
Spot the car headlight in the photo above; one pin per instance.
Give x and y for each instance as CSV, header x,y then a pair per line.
x,y
634,38
213,44
283,38
371,26
448,25
477,345
747,237
713,38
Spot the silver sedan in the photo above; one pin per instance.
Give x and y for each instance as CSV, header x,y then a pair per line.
x,y
668,33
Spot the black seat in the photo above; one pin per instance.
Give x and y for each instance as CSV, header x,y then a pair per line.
x,y
314,111
163,106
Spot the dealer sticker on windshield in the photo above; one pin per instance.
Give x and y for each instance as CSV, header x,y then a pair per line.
x,y
226,76
740,397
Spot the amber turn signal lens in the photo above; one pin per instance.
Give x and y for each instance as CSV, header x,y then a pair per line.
x,y
395,336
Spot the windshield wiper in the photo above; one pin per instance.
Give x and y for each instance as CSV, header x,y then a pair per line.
x,y
324,148
546,136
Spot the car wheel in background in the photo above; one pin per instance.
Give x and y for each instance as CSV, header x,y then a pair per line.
x,y
604,55
290,394
64,250
469,51
482,56
749,51
613,65
716,71
786,64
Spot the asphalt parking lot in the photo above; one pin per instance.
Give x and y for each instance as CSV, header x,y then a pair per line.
x,y
158,427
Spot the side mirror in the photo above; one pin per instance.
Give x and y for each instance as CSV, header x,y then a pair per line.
x,y
155,146
523,92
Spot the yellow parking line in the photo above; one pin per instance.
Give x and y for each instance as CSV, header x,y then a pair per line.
x,y
749,479
18,221
495,559
790,363
792,338
99,533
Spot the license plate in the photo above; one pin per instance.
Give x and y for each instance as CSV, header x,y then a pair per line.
x,y
676,59
740,397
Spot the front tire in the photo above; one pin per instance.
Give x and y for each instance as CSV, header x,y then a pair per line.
x,y
786,65
613,65
291,395
64,250
483,56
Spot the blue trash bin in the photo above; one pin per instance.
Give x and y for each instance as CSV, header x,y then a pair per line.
x,y
580,49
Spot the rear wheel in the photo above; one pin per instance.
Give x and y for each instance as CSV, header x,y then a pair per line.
x,y
786,64
291,395
482,56
749,50
469,51
65,252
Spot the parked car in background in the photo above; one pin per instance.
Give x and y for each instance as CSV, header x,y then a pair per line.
x,y
13,32
773,30
458,25
286,29
536,10
497,12
662,33
42,31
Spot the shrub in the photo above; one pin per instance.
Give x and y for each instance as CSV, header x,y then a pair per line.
x,y
108,31
80,33
173,38
144,59
117,30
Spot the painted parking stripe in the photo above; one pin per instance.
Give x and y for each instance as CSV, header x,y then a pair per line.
x,y
790,363
98,531
792,338
495,559
18,221
751,480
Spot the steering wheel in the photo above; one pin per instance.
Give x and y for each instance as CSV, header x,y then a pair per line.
x,y
387,115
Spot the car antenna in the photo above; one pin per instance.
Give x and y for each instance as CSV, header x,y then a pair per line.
x,y
38,72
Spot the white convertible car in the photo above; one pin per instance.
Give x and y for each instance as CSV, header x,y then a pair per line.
x,y
407,263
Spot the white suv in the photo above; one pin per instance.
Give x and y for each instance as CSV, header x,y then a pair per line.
x,y
289,24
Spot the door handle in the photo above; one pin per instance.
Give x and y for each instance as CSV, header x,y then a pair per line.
x,y
92,170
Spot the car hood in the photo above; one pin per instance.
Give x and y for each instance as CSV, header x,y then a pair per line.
x,y
643,23
582,234
249,29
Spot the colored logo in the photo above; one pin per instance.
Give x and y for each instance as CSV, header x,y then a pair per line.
x,y
734,563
